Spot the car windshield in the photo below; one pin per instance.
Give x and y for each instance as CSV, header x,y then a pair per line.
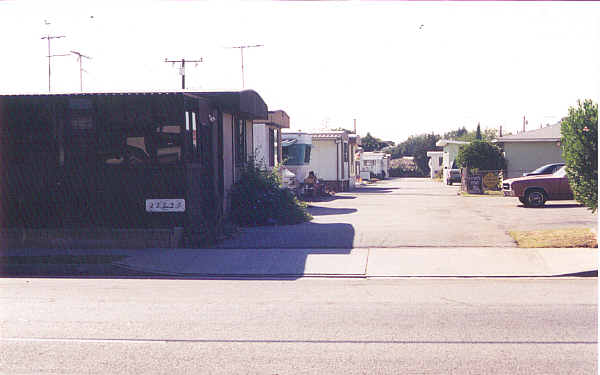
x,y
562,172
543,169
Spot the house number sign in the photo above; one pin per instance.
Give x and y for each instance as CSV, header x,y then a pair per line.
x,y
165,205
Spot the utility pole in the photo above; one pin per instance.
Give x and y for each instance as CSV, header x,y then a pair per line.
x,y
79,56
242,53
50,56
182,68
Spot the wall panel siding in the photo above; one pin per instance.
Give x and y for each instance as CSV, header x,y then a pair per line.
x,y
323,159
524,157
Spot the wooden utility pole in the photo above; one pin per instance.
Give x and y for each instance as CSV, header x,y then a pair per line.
x,y
182,68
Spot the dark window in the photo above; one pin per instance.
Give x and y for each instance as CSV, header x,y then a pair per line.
x,y
271,147
307,154
346,155
142,147
240,141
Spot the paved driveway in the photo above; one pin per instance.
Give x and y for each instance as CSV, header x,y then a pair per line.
x,y
417,212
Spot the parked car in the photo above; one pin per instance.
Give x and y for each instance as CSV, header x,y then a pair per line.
x,y
534,191
545,169
454,175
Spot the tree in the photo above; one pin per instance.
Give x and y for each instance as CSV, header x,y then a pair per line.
x,y
416,146
370,143
579,142
462,134
481,155
456,134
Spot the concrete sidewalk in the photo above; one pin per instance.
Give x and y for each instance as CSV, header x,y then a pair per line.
x,y
366,262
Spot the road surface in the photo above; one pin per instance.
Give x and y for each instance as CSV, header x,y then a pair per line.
x,y
307,326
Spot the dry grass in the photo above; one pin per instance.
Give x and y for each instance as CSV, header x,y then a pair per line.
x,y
564,237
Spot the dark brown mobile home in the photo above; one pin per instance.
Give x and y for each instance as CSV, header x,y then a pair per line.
x,y
129,160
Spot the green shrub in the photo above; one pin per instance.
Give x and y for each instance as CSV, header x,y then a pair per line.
x,y
257,199
579,142
481,155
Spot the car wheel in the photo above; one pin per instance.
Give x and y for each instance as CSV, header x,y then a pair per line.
x,y
522,200
535,198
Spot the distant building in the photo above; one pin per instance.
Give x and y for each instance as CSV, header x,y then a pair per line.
x,y
436,162
451,148
529,150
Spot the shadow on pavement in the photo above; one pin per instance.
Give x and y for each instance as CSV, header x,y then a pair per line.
x,y
321,211
300,236
559,205
255,253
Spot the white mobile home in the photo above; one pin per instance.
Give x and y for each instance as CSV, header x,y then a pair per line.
x,y
330,159
375,163
267,139
451,148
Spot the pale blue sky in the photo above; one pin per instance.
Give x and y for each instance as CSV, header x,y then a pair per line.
x,y
325,63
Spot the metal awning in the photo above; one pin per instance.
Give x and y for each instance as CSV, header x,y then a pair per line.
x,y
288,142
248,104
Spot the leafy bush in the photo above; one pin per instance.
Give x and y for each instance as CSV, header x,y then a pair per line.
x,y
481,155
401,171
580,150
257,199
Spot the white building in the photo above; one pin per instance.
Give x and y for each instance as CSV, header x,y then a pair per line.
x,y
267,138
376,163
451,148
436,162
331,160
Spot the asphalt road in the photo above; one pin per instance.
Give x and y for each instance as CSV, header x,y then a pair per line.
x,y
308,326
419,212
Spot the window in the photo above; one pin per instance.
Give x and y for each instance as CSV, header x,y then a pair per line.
x,y
296,154
441,161
271,147
369,163
345,151
307,154
138,147
239,135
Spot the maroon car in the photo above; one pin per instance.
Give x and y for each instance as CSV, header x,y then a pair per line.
x,y
534,191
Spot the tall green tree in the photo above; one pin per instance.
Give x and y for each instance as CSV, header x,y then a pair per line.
x,y
481,155
370,143
462,134
579,131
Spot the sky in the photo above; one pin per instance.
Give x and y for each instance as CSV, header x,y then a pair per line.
x,y
398,68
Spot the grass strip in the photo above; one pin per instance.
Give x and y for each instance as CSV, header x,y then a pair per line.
x,y
563,237
60,259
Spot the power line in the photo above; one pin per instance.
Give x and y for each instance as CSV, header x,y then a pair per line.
x,y
50,56
81,70
242,53
182,68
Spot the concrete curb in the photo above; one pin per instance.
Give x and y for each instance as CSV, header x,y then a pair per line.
x,y
366,263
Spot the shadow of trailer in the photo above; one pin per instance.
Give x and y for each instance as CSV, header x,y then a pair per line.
x,y
133,160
